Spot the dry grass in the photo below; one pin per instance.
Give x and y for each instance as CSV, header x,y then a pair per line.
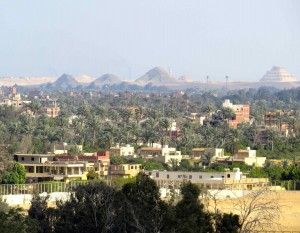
x,y
289,203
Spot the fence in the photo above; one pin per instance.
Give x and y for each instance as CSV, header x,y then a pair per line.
x,y
274,232
289,185
14,189
7,189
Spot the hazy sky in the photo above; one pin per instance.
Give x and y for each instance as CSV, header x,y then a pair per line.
x,y
241,39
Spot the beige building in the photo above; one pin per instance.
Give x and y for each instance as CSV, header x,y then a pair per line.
x,y
42,167
216,152
148,152
16,101
125,170
247,156
60,149
122,151
52,111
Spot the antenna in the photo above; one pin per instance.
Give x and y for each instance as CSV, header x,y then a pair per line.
x,y
129,73
226,82
170,71
207,77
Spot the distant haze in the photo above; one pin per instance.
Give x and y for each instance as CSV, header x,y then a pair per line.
x,y
192,38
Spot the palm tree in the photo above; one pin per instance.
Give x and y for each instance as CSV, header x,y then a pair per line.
x,y
84,110
207,158
174,164
14,129
94,125
138,114
232,142
125,114
165,124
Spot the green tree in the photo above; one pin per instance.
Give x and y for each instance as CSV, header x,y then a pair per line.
x,y
41,213
145,211
90,209
190,214
15,221
118,160
150,165
258,172
228,223
15,174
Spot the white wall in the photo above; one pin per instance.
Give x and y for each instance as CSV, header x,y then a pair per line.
x,y
24,199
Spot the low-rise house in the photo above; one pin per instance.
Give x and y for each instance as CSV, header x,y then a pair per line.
x,y
211,180
98,161
16,101
51,111
247,156
215,152
150,152
122,151
43,167
125,170
60,149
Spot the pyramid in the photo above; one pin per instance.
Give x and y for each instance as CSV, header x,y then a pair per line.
x,y
278,74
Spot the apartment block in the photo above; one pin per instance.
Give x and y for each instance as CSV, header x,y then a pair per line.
x,y
242,113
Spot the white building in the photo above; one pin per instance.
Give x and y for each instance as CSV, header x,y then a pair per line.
x,y
211,180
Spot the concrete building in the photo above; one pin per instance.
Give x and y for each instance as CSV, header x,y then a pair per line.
x,y
15,101
63,167
52,111
122,151
147,152
60,149
199,152
125,170
242,113
211,180
161,154
43,167
247,156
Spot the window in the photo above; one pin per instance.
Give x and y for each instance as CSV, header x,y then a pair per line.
x,y
179,176
228,175
168,176
22,158
150,173
157,174
190,176
222,177
32,158
200,177
132,167
211,176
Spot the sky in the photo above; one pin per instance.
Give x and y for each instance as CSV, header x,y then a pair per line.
x,y
238,39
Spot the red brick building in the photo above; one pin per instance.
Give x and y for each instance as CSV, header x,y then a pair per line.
x,y
242,113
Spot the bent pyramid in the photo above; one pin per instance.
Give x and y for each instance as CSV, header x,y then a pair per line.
x,y
156,76
278,74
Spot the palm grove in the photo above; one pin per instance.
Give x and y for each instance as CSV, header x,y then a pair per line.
x,y
101,122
